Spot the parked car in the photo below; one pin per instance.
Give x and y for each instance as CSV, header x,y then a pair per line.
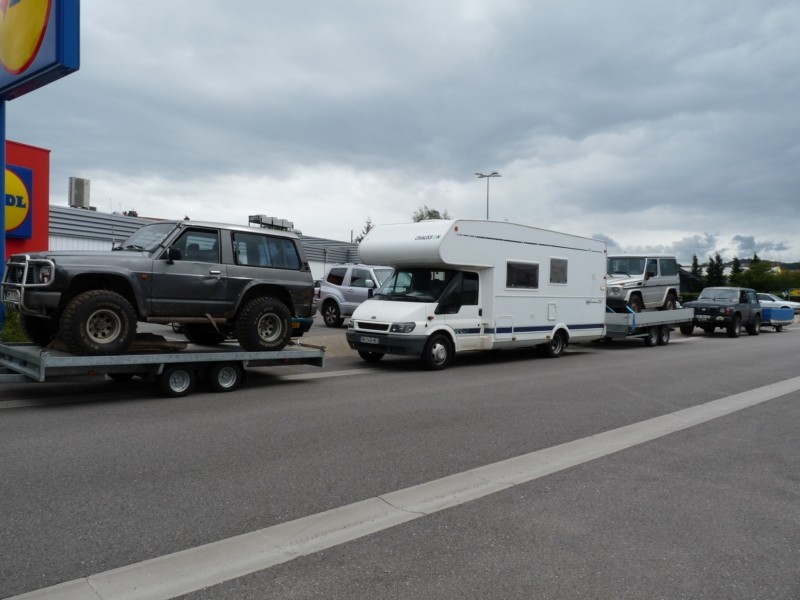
x,y
642,281
725,307
773,301
344,287
213,280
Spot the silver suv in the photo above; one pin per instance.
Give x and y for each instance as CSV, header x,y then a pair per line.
x,y
643,281
346,286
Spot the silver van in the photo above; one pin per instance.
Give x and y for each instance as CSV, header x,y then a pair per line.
x,y
643,281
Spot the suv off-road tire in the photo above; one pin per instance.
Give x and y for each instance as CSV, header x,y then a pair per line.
x,y
754,328
331,315
636,304
203,334
263,324
38,330
671,302
97,323
734,327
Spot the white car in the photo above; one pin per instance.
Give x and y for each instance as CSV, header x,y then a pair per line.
x,y
772,301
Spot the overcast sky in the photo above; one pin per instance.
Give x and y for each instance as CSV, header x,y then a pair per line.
x,y
669,126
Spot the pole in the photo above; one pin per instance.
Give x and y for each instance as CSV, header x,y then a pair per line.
x,y
3,205
487,198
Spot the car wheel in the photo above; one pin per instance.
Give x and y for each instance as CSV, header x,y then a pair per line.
x,y
671,302
636,304
263,324
734,327
687,329
370,356
203,335
555,347
754,328
40,331
331,315
98,322
438,352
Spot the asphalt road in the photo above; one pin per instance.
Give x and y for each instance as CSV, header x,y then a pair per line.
x,y
98,476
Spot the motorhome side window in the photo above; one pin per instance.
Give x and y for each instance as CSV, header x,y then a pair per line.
x,y
522,275
265,251
558,270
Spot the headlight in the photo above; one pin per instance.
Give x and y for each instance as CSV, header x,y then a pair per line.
x,y
402,327
615,291
46,274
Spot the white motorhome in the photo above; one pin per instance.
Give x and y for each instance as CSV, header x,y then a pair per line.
x,y
478,285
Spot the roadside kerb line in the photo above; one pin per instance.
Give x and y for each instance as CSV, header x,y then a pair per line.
x,y
190,570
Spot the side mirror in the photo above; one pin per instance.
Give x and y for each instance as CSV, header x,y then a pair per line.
x,y
173,254
369,284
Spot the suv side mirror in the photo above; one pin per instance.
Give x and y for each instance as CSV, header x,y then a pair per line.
x,y
173,254
369,284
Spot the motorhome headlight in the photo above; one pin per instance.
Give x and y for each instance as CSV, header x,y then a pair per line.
x,y
402,327
614,291
46,274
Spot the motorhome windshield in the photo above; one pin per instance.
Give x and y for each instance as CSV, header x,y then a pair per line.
x,y
415,285
626,265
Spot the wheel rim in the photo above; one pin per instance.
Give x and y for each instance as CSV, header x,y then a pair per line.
x,y
556,344
179,381
103,326
331,314
269,328
227,377
439,353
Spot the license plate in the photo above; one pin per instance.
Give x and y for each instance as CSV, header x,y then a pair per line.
x,y
703,317
369,340
12,296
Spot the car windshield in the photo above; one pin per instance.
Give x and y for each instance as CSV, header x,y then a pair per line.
x,y
148,238
626,265
414,285
767,298
719,294
382,274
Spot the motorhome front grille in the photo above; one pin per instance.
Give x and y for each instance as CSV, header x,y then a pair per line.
x,y
372,326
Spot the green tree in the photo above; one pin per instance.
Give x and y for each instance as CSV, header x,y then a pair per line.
x,y
759,276
736,271
715,270
429,214
367,228
696,269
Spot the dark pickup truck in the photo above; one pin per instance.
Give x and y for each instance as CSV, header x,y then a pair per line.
x,y
725,307
215,280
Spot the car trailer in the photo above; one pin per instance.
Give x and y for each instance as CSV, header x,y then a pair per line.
x,y
176,373
653,327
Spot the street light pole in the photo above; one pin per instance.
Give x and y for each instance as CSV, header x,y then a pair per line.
x,y
487,177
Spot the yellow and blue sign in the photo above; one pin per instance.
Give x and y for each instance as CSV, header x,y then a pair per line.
x,y
19,193
38,43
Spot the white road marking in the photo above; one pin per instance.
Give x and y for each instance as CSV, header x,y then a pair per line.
x,y
190,570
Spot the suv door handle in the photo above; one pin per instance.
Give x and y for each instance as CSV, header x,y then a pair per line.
x,y
213,272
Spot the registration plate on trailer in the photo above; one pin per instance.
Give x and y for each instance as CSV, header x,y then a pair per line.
x,y
368,340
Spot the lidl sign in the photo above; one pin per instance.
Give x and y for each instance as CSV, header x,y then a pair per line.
x,y
38,43
19,193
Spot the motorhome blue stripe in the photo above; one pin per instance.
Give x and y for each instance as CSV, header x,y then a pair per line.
x,y
580,326
483,237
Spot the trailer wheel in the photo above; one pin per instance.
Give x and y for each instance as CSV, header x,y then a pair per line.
x,y
225,377
263,324
651,339
38,330
370,356
663,335
98,322
555,347
778,328
687,329
176,381
754,328
438,352
734,327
